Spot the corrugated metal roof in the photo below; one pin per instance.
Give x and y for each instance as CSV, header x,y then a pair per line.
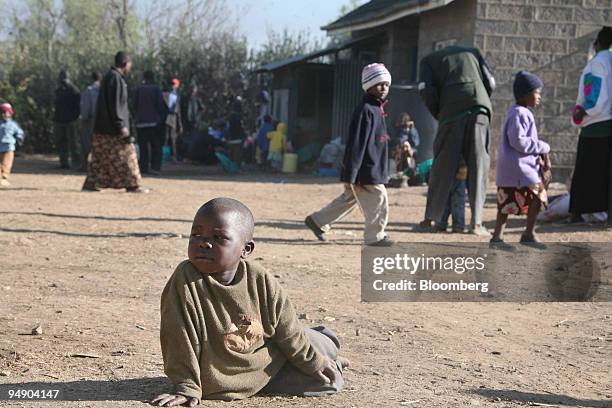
x,y
274,65
378,12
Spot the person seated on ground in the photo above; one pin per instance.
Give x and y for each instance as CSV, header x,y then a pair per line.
x,y
203,146
330,158
216,130
407,132
404,157
228,330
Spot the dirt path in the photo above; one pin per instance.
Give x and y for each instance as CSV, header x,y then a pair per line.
x,y
90,267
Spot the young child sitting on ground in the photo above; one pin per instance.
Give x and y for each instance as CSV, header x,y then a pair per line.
x,y
522,160
228,330
10,136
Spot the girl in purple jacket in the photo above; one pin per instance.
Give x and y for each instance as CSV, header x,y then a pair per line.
x,y
522,160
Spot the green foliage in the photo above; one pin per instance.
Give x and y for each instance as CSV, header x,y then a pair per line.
x,y
350,6
193,40
73,35
284,44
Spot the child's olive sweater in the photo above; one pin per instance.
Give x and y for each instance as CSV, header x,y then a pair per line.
x,y
227,342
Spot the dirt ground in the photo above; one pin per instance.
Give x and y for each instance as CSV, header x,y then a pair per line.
x,y
90,268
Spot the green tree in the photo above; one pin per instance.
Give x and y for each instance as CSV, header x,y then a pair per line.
x,y
194,40
350,6
46,36
282,45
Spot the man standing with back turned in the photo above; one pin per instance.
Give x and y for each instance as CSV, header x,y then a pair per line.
x,y
458,84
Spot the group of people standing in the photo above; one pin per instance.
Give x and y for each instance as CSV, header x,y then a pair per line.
x,y
456,88
103,110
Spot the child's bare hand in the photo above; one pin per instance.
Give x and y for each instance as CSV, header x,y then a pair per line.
x,y
173,400
328,371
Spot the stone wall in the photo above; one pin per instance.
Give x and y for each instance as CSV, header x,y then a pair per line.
x,y
550,38
453,22
403,40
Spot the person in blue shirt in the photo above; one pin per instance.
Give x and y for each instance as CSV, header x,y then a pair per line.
x,y
10,136
262,136
174,123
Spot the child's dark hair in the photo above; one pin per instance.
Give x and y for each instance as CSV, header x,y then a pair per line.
x,y
121,59
224,204
604,37
149,76
63,75
96,76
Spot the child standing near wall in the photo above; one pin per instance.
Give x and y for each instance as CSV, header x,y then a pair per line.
x,y
10,136
522,159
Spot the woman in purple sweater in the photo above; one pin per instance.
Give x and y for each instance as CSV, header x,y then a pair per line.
x,y
522,159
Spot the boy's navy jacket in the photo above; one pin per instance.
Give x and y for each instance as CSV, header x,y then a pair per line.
x,y
366,156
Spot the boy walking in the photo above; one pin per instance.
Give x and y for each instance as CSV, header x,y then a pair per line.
x,y
228,330
365,166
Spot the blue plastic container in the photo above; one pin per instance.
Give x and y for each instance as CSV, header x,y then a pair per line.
x,y
328,172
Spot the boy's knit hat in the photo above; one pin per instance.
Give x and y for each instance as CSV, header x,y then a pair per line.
x,y
6,107
373,74
524,83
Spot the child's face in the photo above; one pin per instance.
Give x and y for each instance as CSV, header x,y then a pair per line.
x,y
534,98
380,90
6,115
217,242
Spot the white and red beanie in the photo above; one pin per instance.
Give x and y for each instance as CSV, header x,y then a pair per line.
x,y
373,74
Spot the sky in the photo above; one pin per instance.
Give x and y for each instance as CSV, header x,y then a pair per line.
x,y
258,16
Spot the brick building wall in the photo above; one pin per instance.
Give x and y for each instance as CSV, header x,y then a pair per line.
x,y
550,38
454,22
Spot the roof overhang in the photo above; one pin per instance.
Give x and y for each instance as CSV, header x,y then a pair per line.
x,y
419,7
275,65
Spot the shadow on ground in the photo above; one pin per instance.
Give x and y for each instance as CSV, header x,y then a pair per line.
x,y
132,389
94,217
530,398
40,164
85,235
